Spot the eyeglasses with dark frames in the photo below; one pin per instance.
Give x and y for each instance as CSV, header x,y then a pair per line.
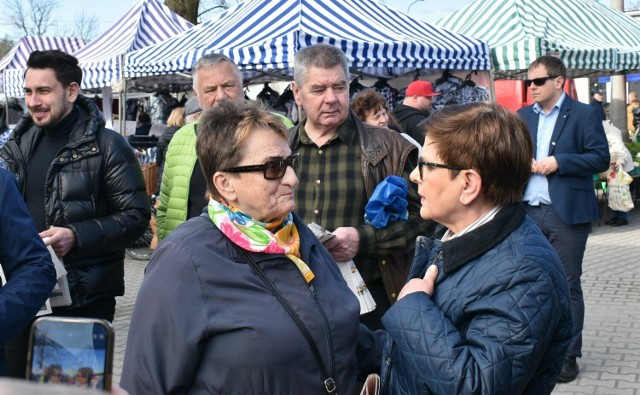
x,y
539,81
272,169
432,165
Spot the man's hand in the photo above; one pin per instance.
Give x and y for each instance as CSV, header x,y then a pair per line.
x,y
544,167
426,284
62,240
344,246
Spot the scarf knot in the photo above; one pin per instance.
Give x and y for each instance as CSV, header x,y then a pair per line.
x,y
277,237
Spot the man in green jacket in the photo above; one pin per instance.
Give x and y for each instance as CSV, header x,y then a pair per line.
x,y
183,189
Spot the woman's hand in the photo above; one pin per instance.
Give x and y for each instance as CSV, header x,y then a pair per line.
x,y
426,284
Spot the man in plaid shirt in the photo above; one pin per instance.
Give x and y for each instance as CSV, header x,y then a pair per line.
x,y
342,161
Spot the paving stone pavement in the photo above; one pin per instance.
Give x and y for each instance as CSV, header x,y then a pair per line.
x,y
610,363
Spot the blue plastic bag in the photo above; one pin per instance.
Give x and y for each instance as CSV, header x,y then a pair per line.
x,y
388,202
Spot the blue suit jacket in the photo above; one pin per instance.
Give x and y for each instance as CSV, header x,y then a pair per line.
x,y
580,147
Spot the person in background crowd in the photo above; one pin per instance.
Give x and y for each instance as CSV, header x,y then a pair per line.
x,y
343,161
25,264
569,147
205,320
372,109
633,120
597,102
143,124
84,377
620,160
183,190
415,107
82,185
176,121
192,110
53,374
487,308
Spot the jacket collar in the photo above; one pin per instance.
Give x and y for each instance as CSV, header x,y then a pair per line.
x,y
461,250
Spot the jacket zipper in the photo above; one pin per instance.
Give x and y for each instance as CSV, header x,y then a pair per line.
x,y
393,344
325,321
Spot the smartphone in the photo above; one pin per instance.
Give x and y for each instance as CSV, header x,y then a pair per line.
x,y
71,351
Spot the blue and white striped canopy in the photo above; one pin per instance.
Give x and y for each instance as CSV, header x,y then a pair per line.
x,y
14,62
147,22
262,37
589,37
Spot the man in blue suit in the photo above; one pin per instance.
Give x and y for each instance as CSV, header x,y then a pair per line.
x,y
569,146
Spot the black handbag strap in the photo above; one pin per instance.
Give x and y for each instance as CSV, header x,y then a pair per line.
x,y
329,383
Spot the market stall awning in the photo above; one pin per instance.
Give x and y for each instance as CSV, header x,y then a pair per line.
x,y
589,37
16,58
146,23
262,37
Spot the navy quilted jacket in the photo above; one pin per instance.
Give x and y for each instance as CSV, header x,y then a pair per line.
x,y
499,321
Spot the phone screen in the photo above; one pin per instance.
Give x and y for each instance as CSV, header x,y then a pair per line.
x,y
74,352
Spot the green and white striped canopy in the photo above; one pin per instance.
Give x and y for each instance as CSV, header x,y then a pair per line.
x,y
589,37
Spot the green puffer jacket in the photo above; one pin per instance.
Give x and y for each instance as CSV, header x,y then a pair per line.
x,y
174,190
179,162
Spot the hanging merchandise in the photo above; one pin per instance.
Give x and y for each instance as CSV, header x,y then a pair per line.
x,y
268,96
286,104
389,93
455,90
355,87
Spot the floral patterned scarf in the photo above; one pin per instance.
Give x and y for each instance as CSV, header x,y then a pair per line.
x,y
278,237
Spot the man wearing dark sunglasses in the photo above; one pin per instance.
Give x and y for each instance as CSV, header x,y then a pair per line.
x,y
569,147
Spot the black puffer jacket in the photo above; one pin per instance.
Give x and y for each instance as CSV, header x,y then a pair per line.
x,y
408,119
95,188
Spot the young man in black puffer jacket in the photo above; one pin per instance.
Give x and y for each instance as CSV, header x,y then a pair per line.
x,y
82,185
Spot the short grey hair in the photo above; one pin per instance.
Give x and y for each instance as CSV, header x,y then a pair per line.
x,y
322,56
209,61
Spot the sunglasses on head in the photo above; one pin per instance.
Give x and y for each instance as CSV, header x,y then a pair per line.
x,y
272,169
539,81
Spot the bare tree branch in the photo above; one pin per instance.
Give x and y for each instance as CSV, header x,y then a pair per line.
x,y
5,46
36,19
85,26
632,5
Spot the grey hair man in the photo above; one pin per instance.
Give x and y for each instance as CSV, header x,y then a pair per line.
x,y
216,78
343,160
183,189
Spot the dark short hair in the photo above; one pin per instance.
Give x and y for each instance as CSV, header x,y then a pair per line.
x,y
143,117
488,138
64,65
368,101
223,131
554,66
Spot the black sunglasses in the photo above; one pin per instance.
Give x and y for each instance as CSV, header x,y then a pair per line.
x,y
272,169
539,81
433,165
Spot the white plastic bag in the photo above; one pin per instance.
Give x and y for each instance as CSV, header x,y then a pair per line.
x,y
619,193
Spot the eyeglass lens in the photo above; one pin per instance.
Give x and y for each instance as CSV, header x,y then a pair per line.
x,y
538,81
275,169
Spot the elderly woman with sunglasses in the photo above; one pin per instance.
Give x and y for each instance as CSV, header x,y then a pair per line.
x,y
487,309
244,299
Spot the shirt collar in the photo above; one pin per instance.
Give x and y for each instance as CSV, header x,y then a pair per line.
x,y
346,132
538,109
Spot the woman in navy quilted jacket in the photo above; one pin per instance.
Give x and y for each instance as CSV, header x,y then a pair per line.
x,y
486,309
